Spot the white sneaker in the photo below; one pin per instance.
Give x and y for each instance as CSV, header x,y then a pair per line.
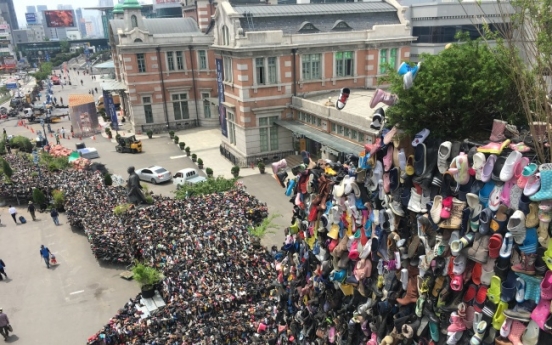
x,y
414,204
426,198
443,155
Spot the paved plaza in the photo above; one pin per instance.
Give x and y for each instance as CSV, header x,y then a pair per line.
x,y
70,302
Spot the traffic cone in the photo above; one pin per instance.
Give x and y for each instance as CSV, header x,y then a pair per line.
x,y
51,135
94,138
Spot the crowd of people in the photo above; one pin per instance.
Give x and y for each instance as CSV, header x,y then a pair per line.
x,y
219,287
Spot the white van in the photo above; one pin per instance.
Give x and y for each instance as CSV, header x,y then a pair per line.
x,y
187,176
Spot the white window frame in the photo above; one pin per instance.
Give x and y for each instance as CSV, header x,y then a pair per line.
x,y
321,67
353,55
206,104
144,104
181,100
227,66
182,59
199,60
225,36
231,126
271,130
266,71
170,57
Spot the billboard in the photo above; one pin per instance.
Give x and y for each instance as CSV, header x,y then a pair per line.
x,y
4,27
31,18
110,109
83,114
159,2
10,62
221,99
59,18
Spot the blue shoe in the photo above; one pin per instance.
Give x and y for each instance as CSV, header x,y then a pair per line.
x,y
403,68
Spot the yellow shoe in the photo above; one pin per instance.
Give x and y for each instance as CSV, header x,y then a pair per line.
x,y
493,293
499,317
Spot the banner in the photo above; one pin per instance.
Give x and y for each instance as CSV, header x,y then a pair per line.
x,y
220,87
10,62
30,18
59,18
110,110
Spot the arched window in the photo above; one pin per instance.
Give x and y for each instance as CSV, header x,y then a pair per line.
x,y
137,40
225,36
307,27
134,21
340,25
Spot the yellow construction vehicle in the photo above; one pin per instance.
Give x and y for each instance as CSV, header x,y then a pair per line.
x,y
128,145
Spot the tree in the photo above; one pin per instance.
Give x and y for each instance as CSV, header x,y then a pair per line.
x,y
38,197
523,47
64,45
108,181
6,169
209,186
456,94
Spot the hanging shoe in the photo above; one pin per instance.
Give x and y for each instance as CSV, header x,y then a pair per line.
x,y
343,97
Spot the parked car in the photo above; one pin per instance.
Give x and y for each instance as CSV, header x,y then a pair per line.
x,y
154,174
187,176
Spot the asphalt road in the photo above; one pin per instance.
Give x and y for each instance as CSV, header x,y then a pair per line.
x,y
67,304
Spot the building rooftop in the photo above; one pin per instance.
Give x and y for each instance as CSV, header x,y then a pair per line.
x,y
358,103
314,18
373,6
161,26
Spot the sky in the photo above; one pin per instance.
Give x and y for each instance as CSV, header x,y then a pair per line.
x,y
20,6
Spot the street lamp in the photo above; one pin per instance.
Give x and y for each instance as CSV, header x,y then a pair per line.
x,y
44,131
35,160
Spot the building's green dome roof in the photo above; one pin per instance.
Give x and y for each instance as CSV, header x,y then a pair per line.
x,y
131,4
118,8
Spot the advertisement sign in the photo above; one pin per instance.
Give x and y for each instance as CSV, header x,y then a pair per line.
x,y
31,18
10,62
110,109
59,18
166,1
220,87
84,118
4,27
12,85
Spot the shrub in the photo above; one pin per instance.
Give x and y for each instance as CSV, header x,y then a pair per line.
x,y
209,172
22,143
171,134
266,227
235,170
146,275
176,139
149,133
211,185
34,174
108,181
59,198
2,147
117,137
182,145
194,156
188,149
38,197
119,210
54,163
107,130
149,199
199,161
261,165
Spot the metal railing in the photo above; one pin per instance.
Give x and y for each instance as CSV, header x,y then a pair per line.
x,y
171,126
267,158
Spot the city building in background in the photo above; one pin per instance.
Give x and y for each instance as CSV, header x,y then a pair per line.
x,y
81,22
8,14
167,8
31,9
37,52
73,34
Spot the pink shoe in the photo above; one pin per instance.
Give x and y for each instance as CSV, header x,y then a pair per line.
x,y
390,135
373,340
541,312
494,148
519,147
388,159
520,166
533,185
331,335
456,323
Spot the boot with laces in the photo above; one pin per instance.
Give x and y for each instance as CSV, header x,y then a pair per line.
x,y
526,264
